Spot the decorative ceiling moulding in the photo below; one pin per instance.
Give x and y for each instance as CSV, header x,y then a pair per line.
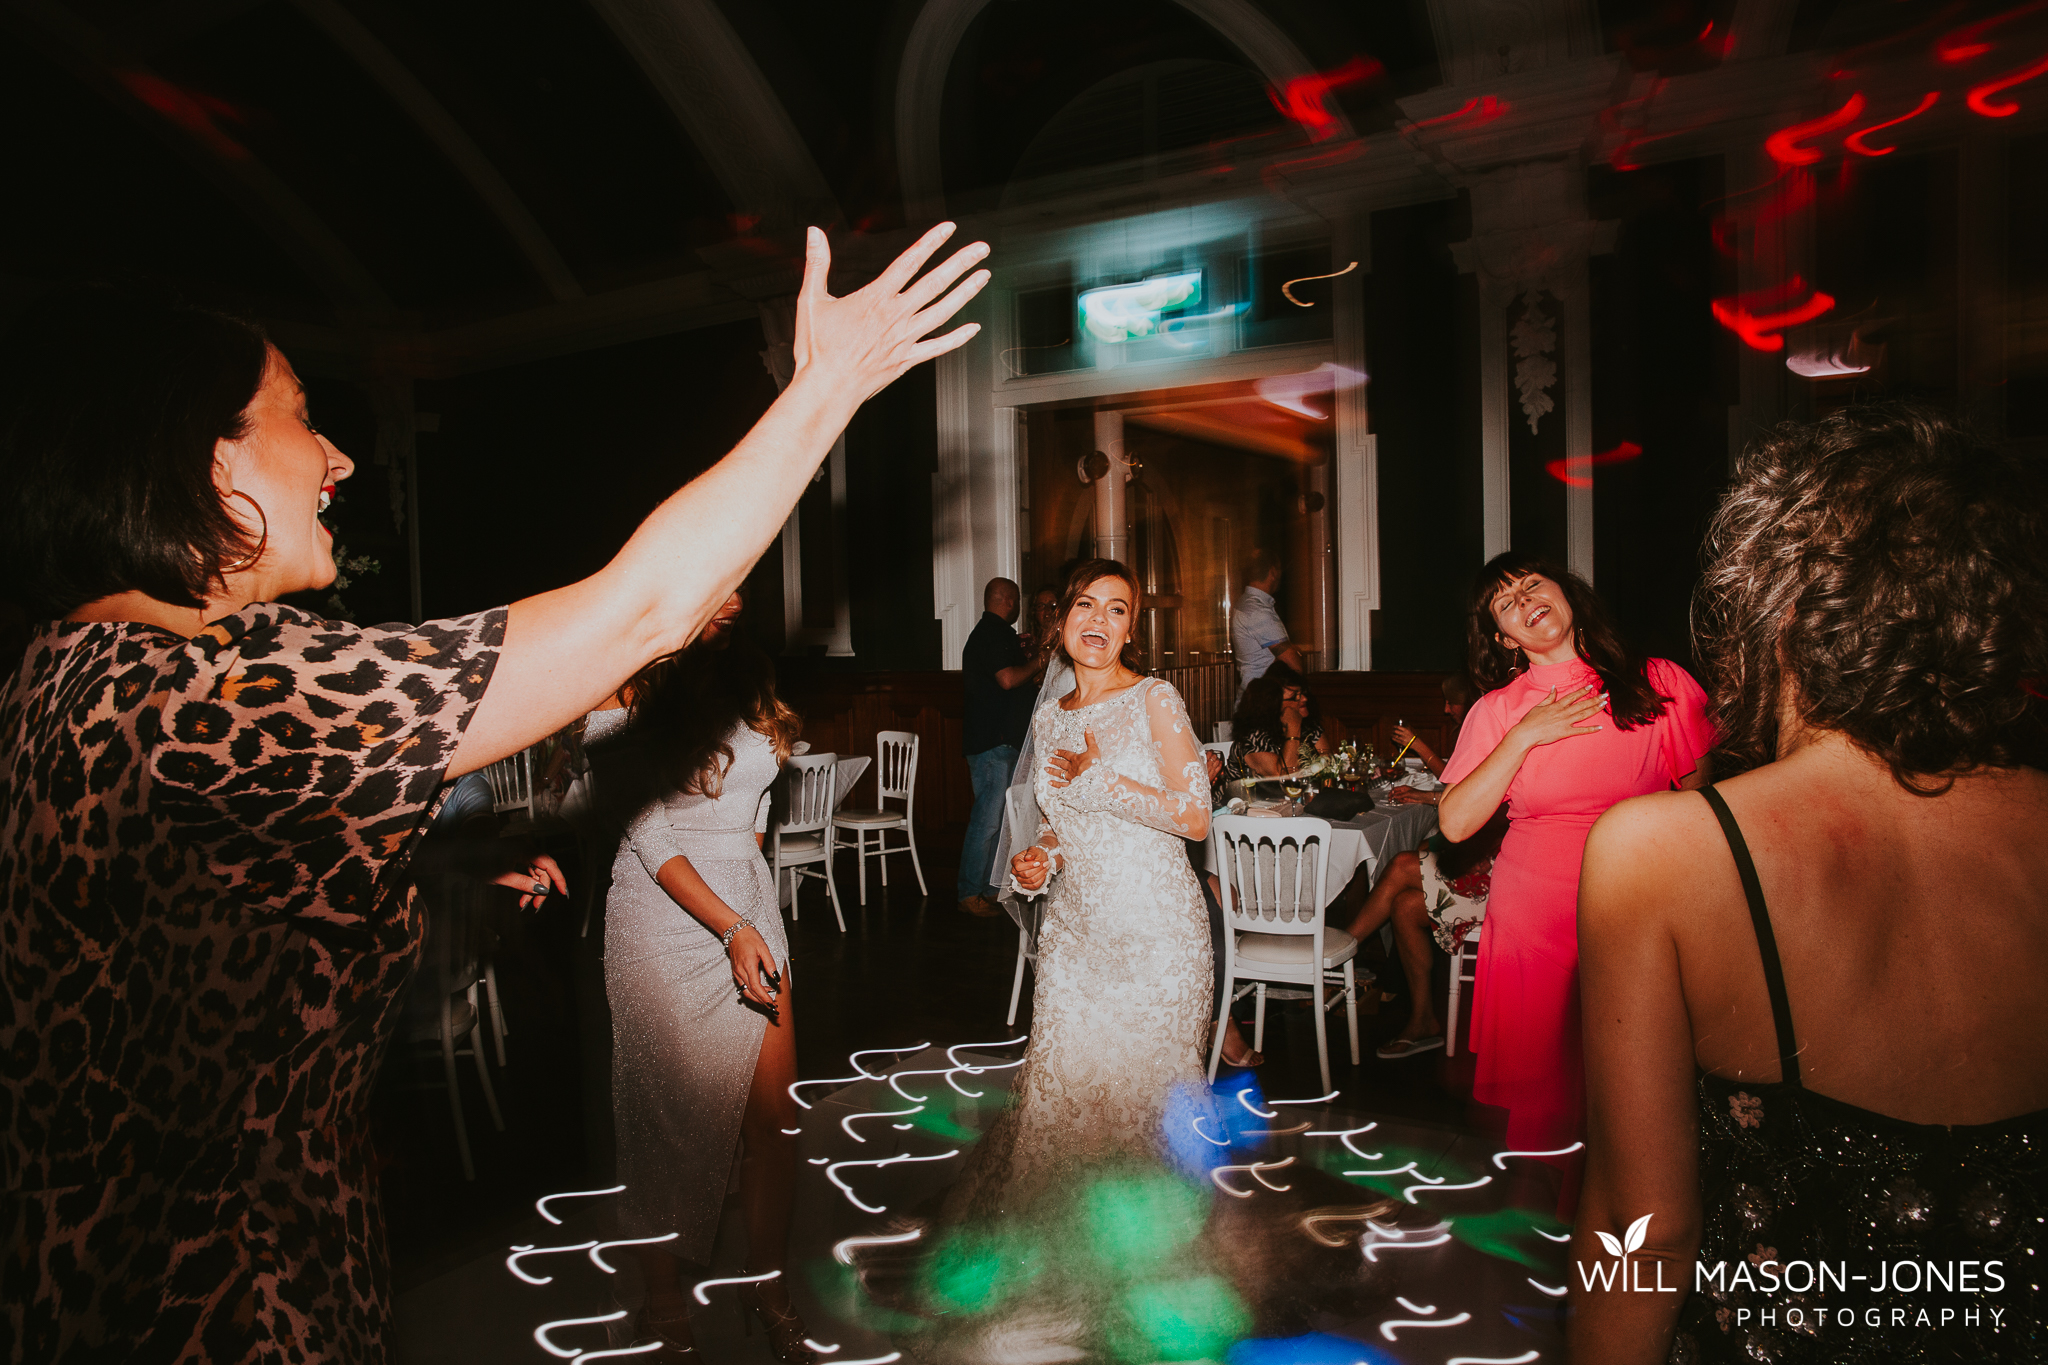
x,y
941,26
709,80
1530,230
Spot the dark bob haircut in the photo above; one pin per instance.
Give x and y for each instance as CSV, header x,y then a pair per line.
x,y
1078,579
1894,573
1630,698
110,404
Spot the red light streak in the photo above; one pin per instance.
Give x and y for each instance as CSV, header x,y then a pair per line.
x,y
1305,99
1760,330
1576,470
1483,110
1784,147
191,110
1855,141
1966,42
1980,98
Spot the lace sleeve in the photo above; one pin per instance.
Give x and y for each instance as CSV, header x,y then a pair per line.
x,y
1050,842
1181,806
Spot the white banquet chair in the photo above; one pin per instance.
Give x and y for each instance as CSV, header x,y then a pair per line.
x,y
1274,872
1221,749
802,838
895,780
1033,907
1467,956
511,782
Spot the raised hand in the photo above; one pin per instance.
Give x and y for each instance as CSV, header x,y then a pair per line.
x,y
1067,766
869,337
1556,718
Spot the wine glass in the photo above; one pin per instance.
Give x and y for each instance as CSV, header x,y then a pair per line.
x,y
1293,789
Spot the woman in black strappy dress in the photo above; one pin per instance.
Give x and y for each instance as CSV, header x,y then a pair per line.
x,y
1816,1001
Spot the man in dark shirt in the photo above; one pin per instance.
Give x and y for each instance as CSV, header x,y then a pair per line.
x,y
999,700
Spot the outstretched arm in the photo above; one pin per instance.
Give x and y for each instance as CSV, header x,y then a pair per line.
x,y
1181,806
567,649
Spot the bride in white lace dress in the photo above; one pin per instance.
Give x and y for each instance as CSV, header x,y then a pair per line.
x,y
1121,1006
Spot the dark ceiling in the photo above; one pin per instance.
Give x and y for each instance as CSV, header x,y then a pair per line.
x,y
195,140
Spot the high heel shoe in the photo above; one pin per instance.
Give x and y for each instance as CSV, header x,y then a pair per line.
x,y
647,1327
785,1330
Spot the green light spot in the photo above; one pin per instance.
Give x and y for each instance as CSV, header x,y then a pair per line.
x,y
1192,1319
975,1271
1140,1219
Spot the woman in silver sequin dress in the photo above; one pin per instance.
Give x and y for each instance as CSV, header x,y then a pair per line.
x,y
697,972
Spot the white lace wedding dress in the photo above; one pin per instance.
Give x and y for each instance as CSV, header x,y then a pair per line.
x,y
1120,1008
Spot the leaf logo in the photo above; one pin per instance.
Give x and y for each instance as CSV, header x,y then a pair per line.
x,y
1638,1232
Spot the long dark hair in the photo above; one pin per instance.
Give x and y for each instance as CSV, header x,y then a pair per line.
x,y
1084,573
685,706
1630,698
1259,707
1892,571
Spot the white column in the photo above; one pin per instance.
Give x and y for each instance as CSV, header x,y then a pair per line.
x,y
1578,418
1354,483
1112,538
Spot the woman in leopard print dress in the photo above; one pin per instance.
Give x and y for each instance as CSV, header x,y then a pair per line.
x,y
207,801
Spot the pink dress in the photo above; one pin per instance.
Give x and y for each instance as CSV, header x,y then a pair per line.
x,y
1525,1010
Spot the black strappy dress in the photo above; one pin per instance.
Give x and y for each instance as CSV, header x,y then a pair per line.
x,y
1791,1181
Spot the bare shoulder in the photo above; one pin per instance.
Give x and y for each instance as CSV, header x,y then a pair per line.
x,y
1643,858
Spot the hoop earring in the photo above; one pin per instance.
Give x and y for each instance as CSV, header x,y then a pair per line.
x,y
261,541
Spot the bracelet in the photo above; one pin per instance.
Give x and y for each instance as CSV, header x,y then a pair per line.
x,y
725,939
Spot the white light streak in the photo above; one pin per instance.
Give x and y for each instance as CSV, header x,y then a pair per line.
x,y
1320,1099
1403,1170
821,1348
1311,1223
792,1132
1438,1187
1346,1134
1387,1329
953,1051
597,1252
1375,1247
889,1359
832,1174
540,1205
643,1349
853,1058
914,1099
976,1071
1196,1124
1553,1236
847,1122
540,1333
1253,1170
1556,1293
520,1253
702,1285
803,1103
1425,1309
819,1160
1243,1098
843,1251
1278,1132
1522,1359
1500,1159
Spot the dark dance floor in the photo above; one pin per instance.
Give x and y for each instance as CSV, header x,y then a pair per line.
x,y
915,971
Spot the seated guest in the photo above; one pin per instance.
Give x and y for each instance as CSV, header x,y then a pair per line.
x,y
1277,724
237,951
1816,993
1459,694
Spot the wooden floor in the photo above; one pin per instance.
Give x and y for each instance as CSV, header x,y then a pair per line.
x,y
910,970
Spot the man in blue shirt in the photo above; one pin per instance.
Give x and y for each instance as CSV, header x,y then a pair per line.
x,y
999,700
1257,634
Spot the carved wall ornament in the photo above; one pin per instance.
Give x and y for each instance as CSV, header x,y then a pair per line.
x,y
1534,337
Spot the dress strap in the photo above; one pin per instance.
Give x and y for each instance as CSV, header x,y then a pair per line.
x,y
1766,941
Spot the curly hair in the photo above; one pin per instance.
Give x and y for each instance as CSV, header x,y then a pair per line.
x,y
1078,579
1259,707
686,705
1884,575
1630,698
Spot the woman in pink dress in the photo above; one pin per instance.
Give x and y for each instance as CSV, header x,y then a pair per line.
x,y
1572,722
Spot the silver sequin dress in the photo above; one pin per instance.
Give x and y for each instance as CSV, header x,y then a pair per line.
x,y
683,1046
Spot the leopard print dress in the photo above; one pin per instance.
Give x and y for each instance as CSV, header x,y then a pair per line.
x,y
205,932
